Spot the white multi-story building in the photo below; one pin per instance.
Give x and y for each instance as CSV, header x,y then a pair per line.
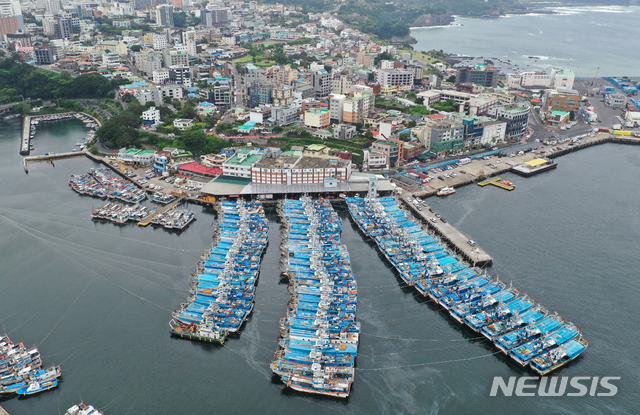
x,y
183,123
241,163
558,79
341,85
110,60
395,77
375,160
159,42
386,64
563,79
174,58
290,169
151,116
336,106
160,77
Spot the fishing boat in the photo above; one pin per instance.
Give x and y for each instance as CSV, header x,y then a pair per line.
x,y
516,325
521,336
523,354
82,409
556,358
446,191
319,335
37,387
222,289
204,331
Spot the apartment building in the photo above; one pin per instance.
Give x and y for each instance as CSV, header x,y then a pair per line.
x,y
394,77
357,107
294,168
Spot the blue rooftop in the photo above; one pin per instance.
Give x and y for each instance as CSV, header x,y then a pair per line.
x,y
193,89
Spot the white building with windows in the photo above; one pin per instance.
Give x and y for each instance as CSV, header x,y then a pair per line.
x,y
182,123
241,163
151,116
159,42
160,77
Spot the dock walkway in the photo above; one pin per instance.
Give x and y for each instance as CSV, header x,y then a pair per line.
x,y
496,181
147,219
3,412
26,129
452,237
49,157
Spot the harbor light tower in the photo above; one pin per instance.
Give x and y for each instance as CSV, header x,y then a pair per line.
x,y
373,187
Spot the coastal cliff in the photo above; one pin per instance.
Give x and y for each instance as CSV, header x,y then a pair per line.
x,y
425,20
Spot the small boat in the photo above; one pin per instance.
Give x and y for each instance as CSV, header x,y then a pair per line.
x,y
556,358
205,331
37,387
446,191
82,409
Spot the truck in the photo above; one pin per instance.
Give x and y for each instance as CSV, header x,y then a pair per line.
x,y
616,126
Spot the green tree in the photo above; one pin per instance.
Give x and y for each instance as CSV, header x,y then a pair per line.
x,y
451,79
572,115
136,48
180,19
189,112
195,141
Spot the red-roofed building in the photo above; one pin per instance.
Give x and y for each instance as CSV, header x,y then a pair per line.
x,y
197,169
433,117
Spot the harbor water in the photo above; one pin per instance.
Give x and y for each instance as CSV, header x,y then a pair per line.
x,y
96,298
591,40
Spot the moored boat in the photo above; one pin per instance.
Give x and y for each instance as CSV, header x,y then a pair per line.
x,y
446,191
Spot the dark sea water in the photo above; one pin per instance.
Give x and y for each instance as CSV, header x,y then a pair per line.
x,y
592,41
96,298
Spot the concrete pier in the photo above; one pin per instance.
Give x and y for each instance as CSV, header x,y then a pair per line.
x,y
24,142
147,219
479,170
455,239
53,156
3,412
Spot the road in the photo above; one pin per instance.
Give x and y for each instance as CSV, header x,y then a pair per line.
x,y
238,91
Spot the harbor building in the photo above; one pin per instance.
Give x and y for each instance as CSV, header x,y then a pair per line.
x,y
241,163
565,100
517,119
293,168
135,156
